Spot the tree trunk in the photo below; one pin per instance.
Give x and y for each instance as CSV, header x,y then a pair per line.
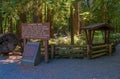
x,y
39,12
23,17
76,19
10,28
18,29
103,11
50,17
34,18
71,25
1,29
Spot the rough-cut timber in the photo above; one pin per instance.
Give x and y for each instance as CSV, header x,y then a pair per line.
x,y
8,42
98,49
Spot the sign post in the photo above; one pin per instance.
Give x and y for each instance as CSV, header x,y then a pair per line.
x,y
46,51
37,31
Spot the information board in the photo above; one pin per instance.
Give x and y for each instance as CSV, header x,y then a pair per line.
x,y
31,53
36,31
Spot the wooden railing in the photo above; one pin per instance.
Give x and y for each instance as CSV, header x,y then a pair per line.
x,y
94,51
67,51
77,51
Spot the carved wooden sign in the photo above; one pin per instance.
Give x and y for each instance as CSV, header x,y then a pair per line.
x,y
36,30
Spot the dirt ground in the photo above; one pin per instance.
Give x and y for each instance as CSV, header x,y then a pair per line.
x,y
106,67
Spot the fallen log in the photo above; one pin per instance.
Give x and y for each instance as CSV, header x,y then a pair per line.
x,y
8,42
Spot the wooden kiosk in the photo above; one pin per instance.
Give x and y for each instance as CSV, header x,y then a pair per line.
x,y
96,50
37,31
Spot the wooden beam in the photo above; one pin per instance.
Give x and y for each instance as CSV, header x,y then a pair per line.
x,y
92,35
89,37
108,36
86,36
99,46
46,51
88,51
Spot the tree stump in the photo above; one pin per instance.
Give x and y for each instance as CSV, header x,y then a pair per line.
x,y
8,42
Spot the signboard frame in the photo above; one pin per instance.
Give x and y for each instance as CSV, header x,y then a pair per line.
x,y
36,31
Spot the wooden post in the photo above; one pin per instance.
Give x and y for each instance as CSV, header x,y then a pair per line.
x,y
24,42
52,51
92,35
108,36
110,49
86,36
88,51
89,37
46,51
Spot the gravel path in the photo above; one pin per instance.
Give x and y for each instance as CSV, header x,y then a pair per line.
x,y
106,67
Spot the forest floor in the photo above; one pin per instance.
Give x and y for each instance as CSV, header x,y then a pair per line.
x,y
105,67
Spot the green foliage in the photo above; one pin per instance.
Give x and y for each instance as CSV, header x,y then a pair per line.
x,y
101,11
98,37
67,40
114,37
61,13
58,13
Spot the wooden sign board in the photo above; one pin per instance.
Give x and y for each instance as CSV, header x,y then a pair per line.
x,y
31,53
36,31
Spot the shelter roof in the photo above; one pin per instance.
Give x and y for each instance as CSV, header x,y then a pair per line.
x,y
98,26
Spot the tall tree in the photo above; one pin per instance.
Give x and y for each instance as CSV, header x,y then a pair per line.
x,y
0,16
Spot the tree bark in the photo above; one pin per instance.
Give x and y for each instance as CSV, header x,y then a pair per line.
x,y
10,28
71,25
76,19
23,17
50,17
39,12
1,29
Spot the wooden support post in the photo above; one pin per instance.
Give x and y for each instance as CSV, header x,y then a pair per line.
x,y
89,37
46,51
52,51
88,51
86,36
105,37
108,36
92,35
110,49
24,42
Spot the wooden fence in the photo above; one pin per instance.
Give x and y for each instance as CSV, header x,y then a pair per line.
x,y
72,51
77,51
94,51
